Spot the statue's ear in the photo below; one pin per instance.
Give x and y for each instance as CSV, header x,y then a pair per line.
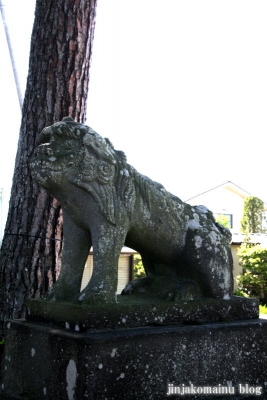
x,y
68,119
45,135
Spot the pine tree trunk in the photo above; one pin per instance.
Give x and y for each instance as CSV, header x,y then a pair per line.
x,y
57,86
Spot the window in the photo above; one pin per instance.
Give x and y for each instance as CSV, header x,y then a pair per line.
x,y
225,220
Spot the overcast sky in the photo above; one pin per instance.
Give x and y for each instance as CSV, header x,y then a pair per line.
x,y
180,86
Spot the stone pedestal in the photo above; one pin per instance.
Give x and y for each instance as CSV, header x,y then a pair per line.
x,y
47,362
140,310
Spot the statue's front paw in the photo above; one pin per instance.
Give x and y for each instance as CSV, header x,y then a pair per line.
x,y
50,296
58,293
183,290
94,297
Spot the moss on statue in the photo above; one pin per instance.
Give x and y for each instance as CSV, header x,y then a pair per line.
x,y
107,204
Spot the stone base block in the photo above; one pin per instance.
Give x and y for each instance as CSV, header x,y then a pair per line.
x,y
47,362
140,310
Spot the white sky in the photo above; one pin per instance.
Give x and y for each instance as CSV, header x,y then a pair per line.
x,y
180,86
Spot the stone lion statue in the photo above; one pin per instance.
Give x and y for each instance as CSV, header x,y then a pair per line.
x,y
107,204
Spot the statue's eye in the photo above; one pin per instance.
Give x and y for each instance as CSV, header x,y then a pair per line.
x,y
68,145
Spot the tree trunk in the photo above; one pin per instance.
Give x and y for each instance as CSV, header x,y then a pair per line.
x,y
57,86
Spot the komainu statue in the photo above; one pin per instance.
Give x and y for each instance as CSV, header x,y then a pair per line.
x,y
107,204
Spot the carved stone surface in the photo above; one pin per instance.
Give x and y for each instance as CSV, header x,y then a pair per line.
x,y
106,203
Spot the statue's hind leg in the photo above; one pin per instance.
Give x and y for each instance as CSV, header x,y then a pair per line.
x,y
209,260
141,285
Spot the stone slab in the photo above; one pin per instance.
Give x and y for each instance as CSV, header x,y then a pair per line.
x,y
134,311
45,362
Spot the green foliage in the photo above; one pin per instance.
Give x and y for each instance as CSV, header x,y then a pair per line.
x,y
223,220
240,293
263,309
139,270
253,281
252,215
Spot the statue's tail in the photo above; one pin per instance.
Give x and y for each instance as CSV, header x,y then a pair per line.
x,y
224,231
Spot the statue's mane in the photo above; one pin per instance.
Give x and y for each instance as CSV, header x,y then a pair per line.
x,y
102,171
105,173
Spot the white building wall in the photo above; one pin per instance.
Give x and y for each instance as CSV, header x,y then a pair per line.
x,y
123,271
222,201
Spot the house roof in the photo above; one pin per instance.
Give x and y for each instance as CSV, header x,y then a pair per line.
x,y
231,187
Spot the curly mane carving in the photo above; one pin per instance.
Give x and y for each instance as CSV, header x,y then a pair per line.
x,y
107,203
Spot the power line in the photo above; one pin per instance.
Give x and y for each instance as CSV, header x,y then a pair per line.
x,y
15,73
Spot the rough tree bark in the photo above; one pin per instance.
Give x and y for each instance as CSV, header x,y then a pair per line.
x,y
57,86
